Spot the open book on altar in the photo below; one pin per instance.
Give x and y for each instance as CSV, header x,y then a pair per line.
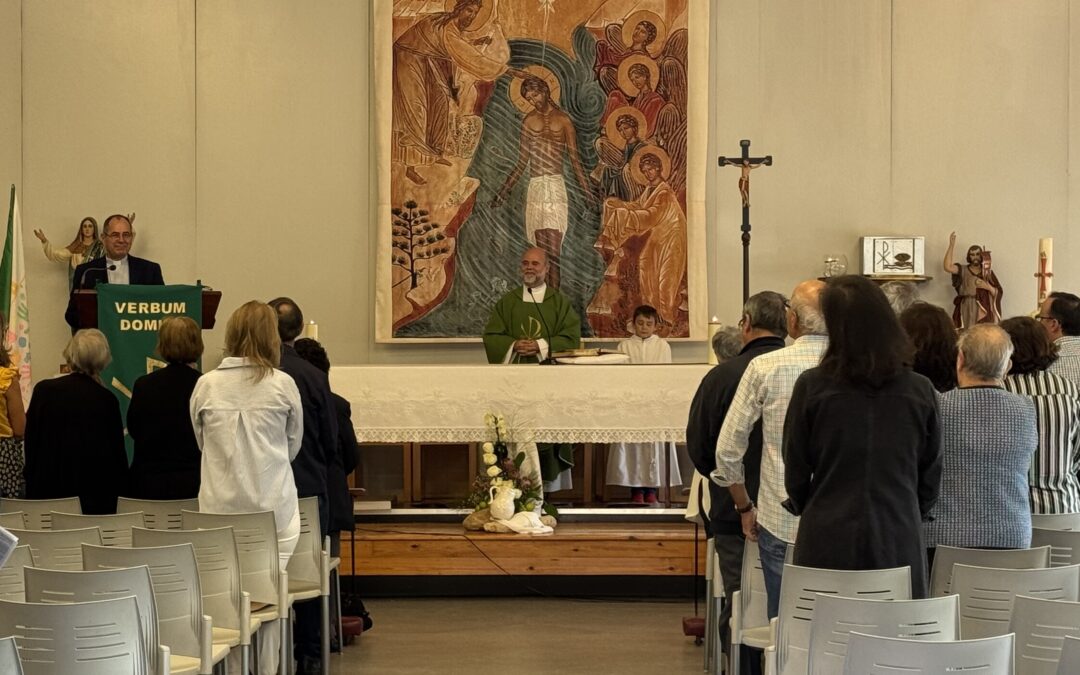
x,y
593,356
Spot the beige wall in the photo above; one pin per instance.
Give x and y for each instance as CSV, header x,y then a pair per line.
x,y
240,132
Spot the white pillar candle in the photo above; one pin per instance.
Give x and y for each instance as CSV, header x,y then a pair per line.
x,y
714,326
1045,272
311,330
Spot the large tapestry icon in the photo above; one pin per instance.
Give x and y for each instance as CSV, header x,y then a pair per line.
x,y
563,124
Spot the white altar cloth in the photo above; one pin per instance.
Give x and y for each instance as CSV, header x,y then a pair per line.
x,y
579,404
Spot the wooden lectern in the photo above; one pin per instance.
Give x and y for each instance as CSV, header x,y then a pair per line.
x,y
86,305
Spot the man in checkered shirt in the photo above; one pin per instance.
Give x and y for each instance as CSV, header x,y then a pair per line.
x,y
764,393
1060,316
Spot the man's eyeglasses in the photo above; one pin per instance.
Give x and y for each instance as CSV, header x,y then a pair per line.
x,y
1043,317
126,236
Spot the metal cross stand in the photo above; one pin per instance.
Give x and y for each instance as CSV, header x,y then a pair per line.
x,y
747,164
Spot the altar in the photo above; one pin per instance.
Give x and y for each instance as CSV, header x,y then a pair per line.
x,y
420,423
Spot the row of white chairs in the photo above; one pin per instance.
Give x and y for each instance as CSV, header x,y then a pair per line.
x,y
254,558
36,514
983,598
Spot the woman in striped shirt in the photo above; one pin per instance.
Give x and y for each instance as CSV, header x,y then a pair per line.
x,y
1053,476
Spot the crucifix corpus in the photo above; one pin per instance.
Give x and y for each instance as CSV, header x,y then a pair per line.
x,y
747,164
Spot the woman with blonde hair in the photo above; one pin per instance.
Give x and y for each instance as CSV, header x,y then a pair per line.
x,y
74,432
248,422
166,460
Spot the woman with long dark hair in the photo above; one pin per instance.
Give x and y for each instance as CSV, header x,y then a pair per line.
x,y
932,334
862,443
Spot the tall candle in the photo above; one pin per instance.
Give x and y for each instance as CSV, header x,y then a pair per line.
x,y
714,327
1045,274
311,330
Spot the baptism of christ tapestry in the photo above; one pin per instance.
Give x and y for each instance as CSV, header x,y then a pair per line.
x,y
576,126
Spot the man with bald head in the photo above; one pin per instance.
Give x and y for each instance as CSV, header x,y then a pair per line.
x,y
528,325
763,394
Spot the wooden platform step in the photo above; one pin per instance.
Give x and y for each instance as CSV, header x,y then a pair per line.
x,y
434,549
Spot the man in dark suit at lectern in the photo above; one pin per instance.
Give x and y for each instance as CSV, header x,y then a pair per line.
x,y
116,267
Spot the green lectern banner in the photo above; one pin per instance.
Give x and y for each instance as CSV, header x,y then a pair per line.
x,y
130,317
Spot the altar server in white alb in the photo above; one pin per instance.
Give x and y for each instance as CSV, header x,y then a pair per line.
x,y
640,466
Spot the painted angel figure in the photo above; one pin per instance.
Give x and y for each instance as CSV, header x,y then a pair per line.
x,y
978,291
661,261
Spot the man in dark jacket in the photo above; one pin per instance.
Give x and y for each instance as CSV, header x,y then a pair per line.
x,y
763,328
116,267
317,450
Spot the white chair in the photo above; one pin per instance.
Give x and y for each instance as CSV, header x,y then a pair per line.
x,y
749,608
9,657
1070,656
115,528
182,625
37,513
14,519
309,570
224,599
158,514
873,655
1040,627
260,571
12,585
58,549
59,586
835,618
987,594
1013,559
798,597
83,638
1064,545
1056,521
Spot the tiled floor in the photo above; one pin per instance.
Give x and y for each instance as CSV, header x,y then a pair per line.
x,y
522,635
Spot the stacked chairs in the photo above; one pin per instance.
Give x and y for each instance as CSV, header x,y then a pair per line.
x,y
218,565
749,607
102,637
801,588
1041,627
158,514
1055,521
37,513
987,594
309,570
261,576
1064,544
947,556
182,625
9,657
115,529
57,586
12,585
874,655
58,549
835,618
1070,656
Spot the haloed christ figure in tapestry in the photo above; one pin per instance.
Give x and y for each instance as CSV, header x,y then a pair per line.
x,y
527,325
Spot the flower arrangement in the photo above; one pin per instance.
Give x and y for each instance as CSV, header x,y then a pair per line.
x,y
500,470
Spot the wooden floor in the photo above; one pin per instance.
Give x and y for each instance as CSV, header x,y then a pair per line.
x,y
423,549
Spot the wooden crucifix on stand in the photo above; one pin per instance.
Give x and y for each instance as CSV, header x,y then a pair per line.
x,y
747,164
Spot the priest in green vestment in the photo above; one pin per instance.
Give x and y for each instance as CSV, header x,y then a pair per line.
x,y
529,324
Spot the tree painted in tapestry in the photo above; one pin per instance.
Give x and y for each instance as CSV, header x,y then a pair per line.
x,y
553,123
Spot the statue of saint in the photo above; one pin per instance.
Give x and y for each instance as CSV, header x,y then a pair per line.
x,y
978,291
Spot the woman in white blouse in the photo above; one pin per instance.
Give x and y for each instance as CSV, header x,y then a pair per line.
x,y
249,423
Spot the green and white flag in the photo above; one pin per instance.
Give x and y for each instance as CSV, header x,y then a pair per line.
x,y
130,317
13,303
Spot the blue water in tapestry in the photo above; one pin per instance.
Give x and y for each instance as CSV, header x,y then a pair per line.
x,y
491,241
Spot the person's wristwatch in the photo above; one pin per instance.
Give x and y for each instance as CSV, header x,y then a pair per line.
x,y
745,509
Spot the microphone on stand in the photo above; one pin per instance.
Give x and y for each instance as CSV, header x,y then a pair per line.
x,y
88,270
550,360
